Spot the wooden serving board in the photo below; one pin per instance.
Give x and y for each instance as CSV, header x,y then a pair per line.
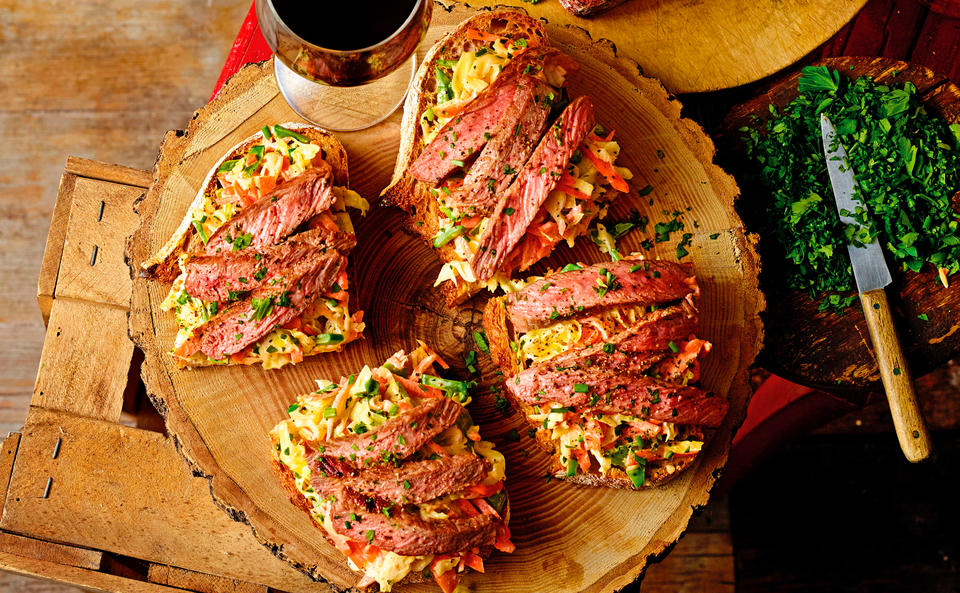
x,y
705,45
568,538
90,449
829,351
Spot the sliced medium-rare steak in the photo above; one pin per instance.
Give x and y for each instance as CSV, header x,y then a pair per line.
x,y
270,306
276,215
609,392
405,533
214,277
413,482
398,437
503,157
492,113
637,348
466,133
520,202
639,282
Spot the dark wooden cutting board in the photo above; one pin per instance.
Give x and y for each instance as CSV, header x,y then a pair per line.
x,y
831,351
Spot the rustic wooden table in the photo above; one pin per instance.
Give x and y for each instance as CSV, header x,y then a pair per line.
x,y
106,80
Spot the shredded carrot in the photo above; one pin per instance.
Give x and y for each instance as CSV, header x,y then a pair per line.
x,y
412,386
426,364
437,449
473,433
476,35
466,508
484,507
484,490
606,169
366,581
503,542
572,191
473,560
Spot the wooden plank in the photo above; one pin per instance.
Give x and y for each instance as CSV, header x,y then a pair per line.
x,y
128,491
92,266
87,579
78,333
92,169
198,581
8,454
52,251
50,551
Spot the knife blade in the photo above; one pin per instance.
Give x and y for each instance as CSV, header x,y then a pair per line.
x,y
869,268
872,275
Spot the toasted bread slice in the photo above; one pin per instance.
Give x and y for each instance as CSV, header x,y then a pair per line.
x,y
163,265
500,334
209,212
410,194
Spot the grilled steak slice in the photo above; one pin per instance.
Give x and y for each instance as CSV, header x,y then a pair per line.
x,y
517,136
610,392
398,437
276,216
214,277
493,113
533,184
567,294
413,482
267,307
464,135
637,348
406,533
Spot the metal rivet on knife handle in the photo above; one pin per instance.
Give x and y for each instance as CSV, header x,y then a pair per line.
x,y
93,258
56,448
100,214
46,491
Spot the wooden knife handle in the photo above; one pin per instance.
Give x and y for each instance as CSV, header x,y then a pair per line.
x,y
897,381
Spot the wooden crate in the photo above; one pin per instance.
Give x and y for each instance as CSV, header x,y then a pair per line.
x,y
96,494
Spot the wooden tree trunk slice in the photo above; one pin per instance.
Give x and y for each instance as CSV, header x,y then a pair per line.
x,y
833,352
568,538
702,46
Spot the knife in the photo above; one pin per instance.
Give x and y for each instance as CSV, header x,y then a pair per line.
x,y
872,275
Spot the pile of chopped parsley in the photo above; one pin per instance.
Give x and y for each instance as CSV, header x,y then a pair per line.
x,y
907,162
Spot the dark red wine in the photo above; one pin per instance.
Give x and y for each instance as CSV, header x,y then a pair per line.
x,y
344,25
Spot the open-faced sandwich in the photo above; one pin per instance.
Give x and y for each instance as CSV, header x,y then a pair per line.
x,y
602,360
496,165
258,264
392,469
